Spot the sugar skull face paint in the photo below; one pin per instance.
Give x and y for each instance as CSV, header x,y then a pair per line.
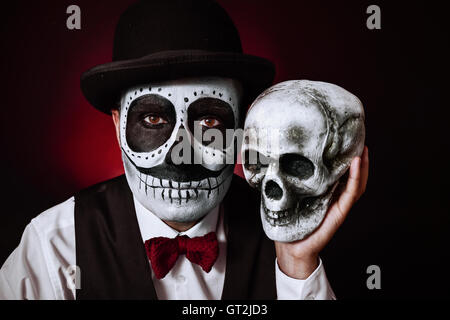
x,y
155,119
319,128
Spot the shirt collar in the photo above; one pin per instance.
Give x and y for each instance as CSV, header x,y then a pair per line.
x,y
151,226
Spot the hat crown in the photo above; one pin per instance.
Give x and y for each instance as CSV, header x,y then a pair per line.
x,y
152,26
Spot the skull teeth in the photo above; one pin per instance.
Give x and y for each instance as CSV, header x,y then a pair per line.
x,y
284,217
277,214
278,218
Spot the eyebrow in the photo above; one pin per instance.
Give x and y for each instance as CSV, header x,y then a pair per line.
x,y
155,101
209,105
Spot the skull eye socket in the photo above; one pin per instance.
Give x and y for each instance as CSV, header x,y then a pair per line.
x,y
296,165
255,161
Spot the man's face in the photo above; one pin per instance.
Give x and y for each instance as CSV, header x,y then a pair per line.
x,y
174,145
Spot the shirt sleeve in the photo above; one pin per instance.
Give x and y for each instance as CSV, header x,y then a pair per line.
x,y
39,268
24,274
315,287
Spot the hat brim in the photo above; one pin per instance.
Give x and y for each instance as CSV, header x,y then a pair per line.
x,y
103,84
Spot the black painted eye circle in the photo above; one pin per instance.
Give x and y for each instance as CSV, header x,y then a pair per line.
x,y
296,165
211,113
150,122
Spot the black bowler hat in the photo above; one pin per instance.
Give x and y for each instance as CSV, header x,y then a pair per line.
x,y
159,40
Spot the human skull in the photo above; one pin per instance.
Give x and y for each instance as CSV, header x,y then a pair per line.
x,y
299,139
156,119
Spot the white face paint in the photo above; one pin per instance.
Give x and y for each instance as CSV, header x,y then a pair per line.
x,y
152,119
305,134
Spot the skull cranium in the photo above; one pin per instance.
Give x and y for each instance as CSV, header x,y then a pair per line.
x,y
300,138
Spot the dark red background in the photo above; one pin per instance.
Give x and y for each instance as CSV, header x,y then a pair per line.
x,y
54,143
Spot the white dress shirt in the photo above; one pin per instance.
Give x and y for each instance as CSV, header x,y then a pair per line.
x,y
43,265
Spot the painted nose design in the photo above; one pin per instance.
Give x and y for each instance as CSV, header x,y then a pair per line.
x,y
181,139
273,190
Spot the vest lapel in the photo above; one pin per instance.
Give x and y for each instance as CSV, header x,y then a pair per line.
x,y
109,248
250,270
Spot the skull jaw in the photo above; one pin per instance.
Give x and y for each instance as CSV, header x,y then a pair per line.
x,y
297,222
173,204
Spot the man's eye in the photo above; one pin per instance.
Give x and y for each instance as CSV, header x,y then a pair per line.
x,y
154,120
210,122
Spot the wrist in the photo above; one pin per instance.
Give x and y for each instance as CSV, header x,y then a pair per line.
x,y
297,267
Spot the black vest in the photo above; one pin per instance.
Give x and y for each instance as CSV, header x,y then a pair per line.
x,y
111,254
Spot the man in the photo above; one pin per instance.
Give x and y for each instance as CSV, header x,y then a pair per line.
x,y
172,229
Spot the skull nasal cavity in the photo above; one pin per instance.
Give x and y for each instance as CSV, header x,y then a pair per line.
x,y
273,190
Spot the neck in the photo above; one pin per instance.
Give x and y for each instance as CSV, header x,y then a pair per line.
x,y
180,226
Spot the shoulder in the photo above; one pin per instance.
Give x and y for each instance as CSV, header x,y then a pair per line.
x,y
242,197
61,216
114,187
54,232
242,208
54,219
35,269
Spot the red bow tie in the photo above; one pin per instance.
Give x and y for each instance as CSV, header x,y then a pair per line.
x,y
163,252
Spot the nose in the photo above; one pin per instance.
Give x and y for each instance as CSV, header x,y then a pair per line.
x,y
273,190
181,139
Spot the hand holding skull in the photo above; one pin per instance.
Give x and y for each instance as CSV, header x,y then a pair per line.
x,y
299,259
300,138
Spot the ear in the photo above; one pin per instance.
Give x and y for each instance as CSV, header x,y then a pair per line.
x,y
116,120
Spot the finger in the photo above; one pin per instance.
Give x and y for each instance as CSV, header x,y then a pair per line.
x,y
338,212
364,171
354,178
350,194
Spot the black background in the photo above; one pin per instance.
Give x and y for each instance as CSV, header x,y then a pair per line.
x,y
54,143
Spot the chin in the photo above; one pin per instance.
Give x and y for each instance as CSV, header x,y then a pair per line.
x,y
174,212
